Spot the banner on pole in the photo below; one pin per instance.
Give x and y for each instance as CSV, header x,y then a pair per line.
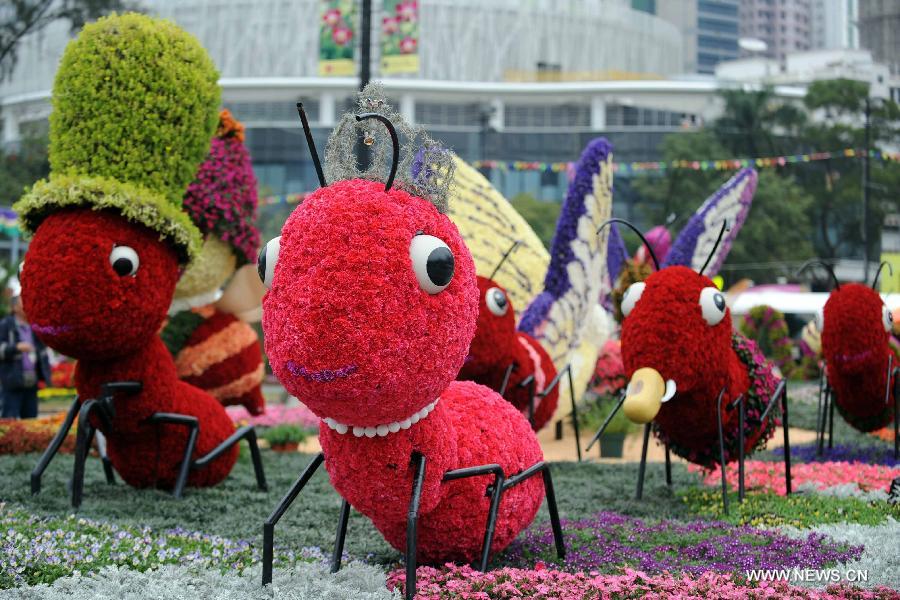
x,y
887,284
337,27
400,37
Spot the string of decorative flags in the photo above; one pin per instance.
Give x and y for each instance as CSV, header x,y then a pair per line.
x,y
695,165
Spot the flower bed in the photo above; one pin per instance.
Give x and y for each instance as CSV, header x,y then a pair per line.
x,y
40,550
609,541
276,414
453,582
33,435
766,476
872,454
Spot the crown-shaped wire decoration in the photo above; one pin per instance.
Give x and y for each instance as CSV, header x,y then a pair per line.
x,y
424,167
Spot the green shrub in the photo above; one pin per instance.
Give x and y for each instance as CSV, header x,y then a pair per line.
x,y
594,411
135,99
285,434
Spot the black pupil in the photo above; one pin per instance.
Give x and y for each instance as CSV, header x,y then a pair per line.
x,y
719,299
500,299
123,266
440,266
261,264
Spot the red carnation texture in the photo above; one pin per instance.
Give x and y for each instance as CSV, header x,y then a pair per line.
x,y
855,347
223,357
666,331
81,307
484,429
348,329
497,345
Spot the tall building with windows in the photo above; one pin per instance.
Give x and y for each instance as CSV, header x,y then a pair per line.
x,y
834,24
879,31
710,29
784,25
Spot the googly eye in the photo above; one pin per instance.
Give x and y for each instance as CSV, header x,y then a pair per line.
x,y
887,318
820,320
632,295
124,261
432,262
268,257
496,301
712,304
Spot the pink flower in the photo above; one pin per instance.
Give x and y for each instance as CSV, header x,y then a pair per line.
x,y
408,45
769,476
390,25
341,35
332,17
407,11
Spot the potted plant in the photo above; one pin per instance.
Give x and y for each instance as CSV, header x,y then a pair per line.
x,y
593,414
285,437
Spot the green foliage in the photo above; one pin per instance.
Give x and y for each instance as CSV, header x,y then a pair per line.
x,y
136,100
594,411
542,216
20,169
797,510
285,433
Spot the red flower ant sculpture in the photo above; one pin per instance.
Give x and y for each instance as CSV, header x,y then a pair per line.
x,y
689,371
371,308
108,239
856,327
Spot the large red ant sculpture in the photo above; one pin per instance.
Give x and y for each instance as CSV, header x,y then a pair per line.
x,y
96,285
689,371
507,360
371,306
861,379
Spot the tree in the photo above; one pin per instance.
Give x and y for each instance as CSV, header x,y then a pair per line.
x,y
776,231
542,216
19,18
21,169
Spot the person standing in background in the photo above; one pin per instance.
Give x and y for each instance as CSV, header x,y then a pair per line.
x,y
23,362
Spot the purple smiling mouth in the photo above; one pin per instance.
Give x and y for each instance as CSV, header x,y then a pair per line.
x,y
51,329
323,376
853,358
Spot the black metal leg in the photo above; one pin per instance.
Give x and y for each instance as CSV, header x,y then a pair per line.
x,y
896,413
53,448
831,421
787,440
554,513
558,434
278,512
722,452
246,432
668,467
193,425
574,412
642,469
742,449
412,521
496,493
340,537
820,410
606,422
506,375
82,446
107,464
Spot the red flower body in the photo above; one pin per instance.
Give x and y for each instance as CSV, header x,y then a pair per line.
x,y
666,331
855,346
82,306
353,332
497,345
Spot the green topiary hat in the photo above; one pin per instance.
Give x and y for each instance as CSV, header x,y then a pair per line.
x,y
135,104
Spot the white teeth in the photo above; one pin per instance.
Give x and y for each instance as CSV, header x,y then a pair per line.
x,y
670,390
382,430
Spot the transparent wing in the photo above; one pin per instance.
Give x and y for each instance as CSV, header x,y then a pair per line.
x,y
730,203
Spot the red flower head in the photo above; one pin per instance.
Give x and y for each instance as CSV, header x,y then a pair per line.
x,y
856,328
332,17
97,286
341,35
495,333
372,305
390,25
407,11
408,45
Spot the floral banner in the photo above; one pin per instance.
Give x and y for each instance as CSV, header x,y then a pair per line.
x,y
336,30
400,37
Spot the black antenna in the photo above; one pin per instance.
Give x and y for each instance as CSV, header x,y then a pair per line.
x,y
312,145
505,256
394,140
716,247
815,261
878,272
640,235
